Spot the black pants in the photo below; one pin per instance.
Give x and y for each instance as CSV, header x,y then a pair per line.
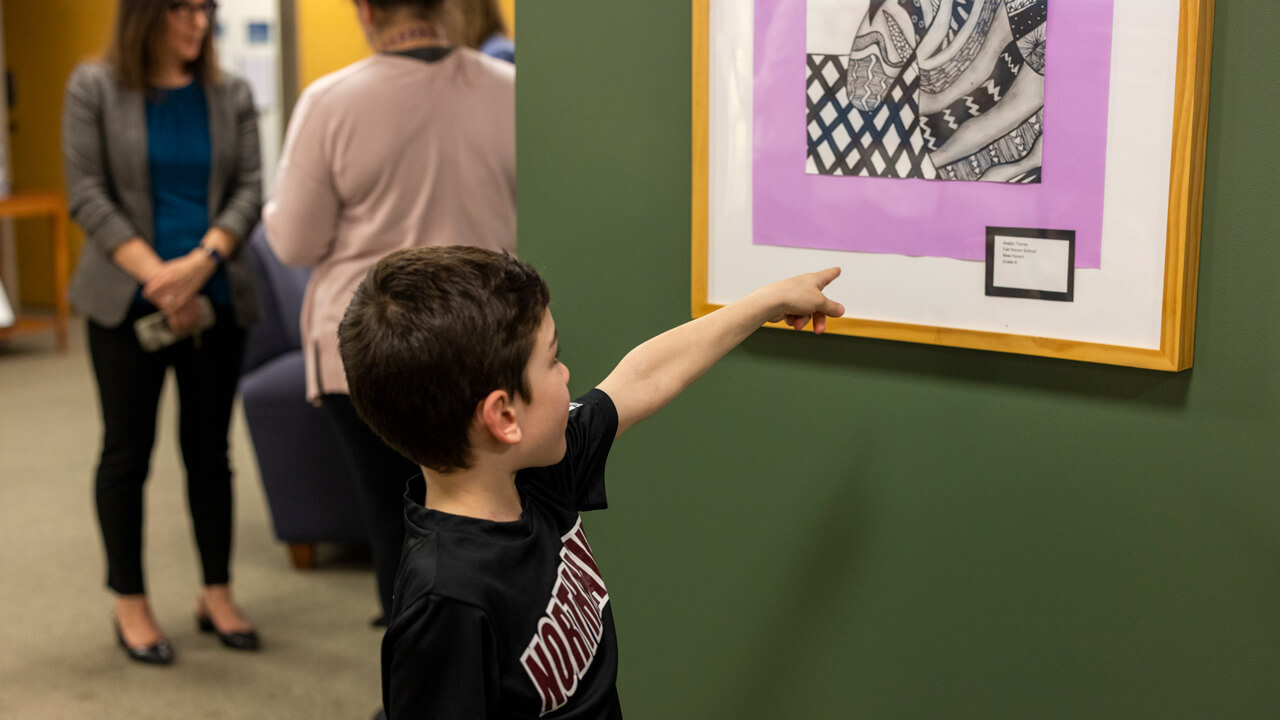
x,y
381,473
129,384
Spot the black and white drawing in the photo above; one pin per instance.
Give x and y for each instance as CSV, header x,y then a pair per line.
x,y
934,89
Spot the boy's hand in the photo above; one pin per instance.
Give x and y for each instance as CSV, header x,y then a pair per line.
x,y
800,299
660,369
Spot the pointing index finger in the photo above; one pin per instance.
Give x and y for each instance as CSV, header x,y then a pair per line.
x,y
826,276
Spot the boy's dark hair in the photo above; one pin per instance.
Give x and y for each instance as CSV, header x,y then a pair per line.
x,y
429,334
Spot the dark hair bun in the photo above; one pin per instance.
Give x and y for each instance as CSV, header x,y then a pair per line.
x,y
413,4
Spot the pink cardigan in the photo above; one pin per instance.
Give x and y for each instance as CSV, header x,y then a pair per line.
x,y
388,153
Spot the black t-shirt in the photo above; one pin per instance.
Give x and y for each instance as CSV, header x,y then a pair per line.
x,y
508,620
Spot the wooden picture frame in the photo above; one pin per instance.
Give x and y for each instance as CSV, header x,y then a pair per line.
x,y
1177,301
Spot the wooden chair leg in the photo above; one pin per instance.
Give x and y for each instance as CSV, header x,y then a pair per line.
x,y
302,555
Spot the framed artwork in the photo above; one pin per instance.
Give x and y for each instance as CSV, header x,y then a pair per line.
x,y
1022,176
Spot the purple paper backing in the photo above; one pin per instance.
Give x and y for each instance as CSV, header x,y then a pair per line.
x,y
933,218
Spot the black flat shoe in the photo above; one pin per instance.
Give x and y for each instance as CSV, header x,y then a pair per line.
x,y
160,653
247,640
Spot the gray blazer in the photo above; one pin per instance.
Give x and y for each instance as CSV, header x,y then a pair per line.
x,y
104,148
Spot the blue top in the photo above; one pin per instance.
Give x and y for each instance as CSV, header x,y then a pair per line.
x,y
179,157
499,46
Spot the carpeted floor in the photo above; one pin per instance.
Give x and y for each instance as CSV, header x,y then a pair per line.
x,y
58,657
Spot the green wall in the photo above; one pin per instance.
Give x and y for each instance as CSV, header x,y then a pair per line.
x,y
835,527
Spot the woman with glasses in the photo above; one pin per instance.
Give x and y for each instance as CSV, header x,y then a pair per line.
x,y
413,146
163,174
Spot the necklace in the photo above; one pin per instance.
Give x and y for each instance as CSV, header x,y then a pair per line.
x,y
410,34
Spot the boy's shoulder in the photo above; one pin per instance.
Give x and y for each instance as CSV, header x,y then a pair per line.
x,y
577,482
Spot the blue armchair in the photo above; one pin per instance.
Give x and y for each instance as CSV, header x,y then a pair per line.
x,y
309,491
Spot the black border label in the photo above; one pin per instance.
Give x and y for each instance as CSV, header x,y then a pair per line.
x,y
1068,236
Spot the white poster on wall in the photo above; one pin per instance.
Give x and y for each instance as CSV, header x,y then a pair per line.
x,y
248,41
6,311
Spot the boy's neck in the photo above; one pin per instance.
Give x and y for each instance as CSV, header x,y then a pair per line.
x,y
477,492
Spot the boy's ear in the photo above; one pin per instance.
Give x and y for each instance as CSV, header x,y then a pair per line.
x,y
497,415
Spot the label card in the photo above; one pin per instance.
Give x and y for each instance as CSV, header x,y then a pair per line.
x,y
1031,263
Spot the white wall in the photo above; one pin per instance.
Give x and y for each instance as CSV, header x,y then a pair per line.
x,y
258,62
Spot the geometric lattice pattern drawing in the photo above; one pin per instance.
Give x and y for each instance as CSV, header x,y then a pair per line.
x,y
932,89
844,140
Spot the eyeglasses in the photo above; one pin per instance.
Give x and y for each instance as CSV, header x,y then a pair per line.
x,y
188,10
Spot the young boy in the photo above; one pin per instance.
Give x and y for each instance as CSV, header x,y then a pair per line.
x,y
500,610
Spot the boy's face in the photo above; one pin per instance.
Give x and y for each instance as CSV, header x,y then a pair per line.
x,y
543,418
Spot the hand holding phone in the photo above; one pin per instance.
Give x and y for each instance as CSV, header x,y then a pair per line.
x,y
155,331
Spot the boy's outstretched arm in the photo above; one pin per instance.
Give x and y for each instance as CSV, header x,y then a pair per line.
x,y
653,374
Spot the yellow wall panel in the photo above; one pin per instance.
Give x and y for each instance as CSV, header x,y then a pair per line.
x,y
509,14
329,36
43,42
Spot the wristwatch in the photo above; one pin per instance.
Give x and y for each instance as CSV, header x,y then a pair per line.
x,y
213,254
